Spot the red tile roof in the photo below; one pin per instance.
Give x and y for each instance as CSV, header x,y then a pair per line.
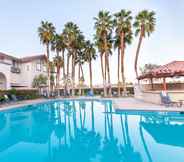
x,y
174,68
24,59
6,56
31,58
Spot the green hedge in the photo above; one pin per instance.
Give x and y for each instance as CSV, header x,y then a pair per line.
x,y
23,94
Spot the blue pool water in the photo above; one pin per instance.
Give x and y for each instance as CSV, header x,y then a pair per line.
x,y
89,131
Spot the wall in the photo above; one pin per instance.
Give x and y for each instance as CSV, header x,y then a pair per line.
x,y
22,79
5,70
29,71
159,86
154,96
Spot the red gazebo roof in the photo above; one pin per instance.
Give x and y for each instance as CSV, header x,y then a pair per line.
x,y
174,68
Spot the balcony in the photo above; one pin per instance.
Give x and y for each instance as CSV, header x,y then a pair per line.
x,y
15,70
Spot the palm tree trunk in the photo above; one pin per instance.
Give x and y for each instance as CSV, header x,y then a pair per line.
x,y
106,63
64,77
122,61
73,74
82,91
105,67
108,73
63,55
68,65
58,74
102,68
137,53
79,79
119,89
48,69
90,75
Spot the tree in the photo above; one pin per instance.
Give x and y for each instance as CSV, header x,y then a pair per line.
x,y
80,60
57,46
46,32
59,63
144,25
148,67
52,74
90,54
122,24
71,34
39,81
104,26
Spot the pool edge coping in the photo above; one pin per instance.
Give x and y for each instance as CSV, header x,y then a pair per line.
x,y
114,103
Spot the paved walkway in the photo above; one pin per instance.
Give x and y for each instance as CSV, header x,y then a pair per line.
x,y
118,103
135,104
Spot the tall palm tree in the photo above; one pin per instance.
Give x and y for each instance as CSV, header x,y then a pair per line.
x,y
90,54
59,63
52,73
117,46
80,60
71,33
57,46
104,26
122,23
46,32
144,25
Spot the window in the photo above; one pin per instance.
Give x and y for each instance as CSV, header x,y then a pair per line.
x,y
27,67
38,66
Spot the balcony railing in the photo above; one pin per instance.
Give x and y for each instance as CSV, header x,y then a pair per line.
x,y
15,69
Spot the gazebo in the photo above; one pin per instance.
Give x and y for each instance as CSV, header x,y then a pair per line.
x,y
170,70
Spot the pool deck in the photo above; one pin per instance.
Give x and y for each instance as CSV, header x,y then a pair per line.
x,y
139,105
129,103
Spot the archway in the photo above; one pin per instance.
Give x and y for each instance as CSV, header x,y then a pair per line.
x,y
3,82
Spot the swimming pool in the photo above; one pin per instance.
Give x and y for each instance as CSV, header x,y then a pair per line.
x,y
89,131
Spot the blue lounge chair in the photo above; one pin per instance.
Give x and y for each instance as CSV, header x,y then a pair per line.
x,y
166,100
90,93
13,98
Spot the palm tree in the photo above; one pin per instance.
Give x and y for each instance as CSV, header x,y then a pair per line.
x,y
57,46
104,25
122,23
90,54
117,46
52,73
71,33
46,32
144,24
80,60
59,63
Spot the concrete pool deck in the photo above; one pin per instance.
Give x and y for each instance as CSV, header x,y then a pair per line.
x,y
129,103
139,105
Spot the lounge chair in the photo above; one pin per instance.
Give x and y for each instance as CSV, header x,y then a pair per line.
x,y
14,98
90,93
166,100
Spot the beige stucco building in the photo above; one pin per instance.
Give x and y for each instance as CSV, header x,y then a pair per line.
x,y
20,72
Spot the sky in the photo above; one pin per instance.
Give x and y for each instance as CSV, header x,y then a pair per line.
x,y
20,19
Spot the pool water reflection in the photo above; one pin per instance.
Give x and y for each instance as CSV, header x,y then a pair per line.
x,y
89,131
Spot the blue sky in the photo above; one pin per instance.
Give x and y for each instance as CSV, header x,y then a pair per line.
x,y
19,20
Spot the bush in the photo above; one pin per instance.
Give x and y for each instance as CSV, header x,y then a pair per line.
x,y
13,91
22,94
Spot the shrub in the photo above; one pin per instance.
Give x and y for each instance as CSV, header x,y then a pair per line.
x,y
21,94
13,91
